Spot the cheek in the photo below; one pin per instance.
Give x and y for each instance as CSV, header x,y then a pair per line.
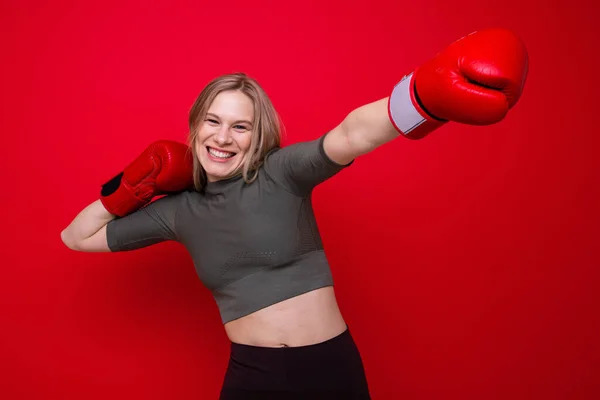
x,y
244,142
203,134
199,147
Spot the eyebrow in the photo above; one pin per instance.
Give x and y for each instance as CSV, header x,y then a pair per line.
x,y
216,116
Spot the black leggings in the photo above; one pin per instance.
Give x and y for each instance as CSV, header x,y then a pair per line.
x,y
329,370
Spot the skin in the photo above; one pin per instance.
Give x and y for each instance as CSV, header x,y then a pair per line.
x,y
228,128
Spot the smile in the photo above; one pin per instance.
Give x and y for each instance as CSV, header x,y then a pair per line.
x,y
221,155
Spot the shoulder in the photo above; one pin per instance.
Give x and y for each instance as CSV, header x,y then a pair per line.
x,y
301,166
310,151
174,198
169,202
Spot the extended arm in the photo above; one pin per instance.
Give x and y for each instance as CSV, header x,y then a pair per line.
x,y
475,81
363,130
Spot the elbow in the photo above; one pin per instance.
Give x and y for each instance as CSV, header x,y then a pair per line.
x,y
68,240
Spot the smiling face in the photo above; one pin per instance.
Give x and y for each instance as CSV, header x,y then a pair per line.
x,y
224,137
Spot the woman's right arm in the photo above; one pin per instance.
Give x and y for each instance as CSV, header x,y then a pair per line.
x,y
163,167
87,232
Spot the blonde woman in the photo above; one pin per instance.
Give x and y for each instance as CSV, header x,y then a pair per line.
x,y
241,206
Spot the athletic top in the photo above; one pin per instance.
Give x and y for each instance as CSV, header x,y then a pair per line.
x,y
253,245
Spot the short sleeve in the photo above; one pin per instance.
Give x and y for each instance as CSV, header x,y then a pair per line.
x,y
149,225
300,167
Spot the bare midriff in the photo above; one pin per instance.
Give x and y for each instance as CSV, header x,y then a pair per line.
x,y
307,319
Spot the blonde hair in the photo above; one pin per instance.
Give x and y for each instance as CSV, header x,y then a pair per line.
x,y
267,125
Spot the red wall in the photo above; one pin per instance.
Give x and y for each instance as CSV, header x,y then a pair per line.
x,y
466,264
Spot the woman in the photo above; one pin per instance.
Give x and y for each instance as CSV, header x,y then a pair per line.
x,y
241,206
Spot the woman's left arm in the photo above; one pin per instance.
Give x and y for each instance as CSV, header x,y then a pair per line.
x,y
363,130
476,81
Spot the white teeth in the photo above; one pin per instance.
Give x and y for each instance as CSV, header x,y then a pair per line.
x,y
220,154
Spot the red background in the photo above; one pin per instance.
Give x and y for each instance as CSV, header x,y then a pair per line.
x,y
466,264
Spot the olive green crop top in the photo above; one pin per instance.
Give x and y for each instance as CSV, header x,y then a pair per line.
x,y
253,245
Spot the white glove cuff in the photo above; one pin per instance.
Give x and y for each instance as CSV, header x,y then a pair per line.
x,y
404,111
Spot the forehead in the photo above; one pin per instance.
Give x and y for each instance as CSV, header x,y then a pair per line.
x,y
232,105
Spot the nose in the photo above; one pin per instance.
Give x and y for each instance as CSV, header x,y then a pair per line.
x,y
223,136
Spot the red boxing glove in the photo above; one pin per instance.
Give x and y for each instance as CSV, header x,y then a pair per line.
x,y
164,167
474,81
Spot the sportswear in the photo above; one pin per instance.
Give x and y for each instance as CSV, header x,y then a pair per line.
x,y
252,245
329,370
